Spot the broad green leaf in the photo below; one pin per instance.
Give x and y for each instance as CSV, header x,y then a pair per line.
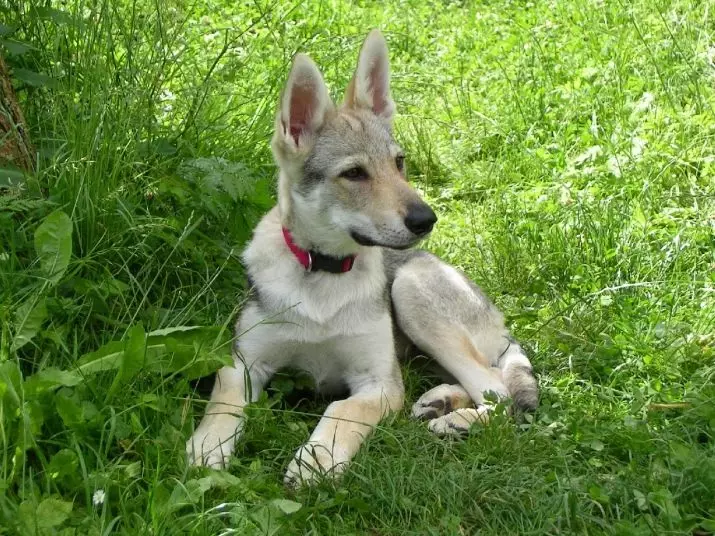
x,y
606,300
186,494
52,512
69,409
641,500
286,506
31,78
7,30
50,378
108,357
132,359
63,465
193,359
193,490
596,445
28,321
221,480
598,494
663,498
639,216
133,469
11,382
15,48
32,418
168,331
27,517
194,351
53,243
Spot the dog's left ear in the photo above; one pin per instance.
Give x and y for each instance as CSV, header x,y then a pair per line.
x,y
370,86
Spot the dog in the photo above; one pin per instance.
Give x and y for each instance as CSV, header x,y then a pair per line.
x,y
338,292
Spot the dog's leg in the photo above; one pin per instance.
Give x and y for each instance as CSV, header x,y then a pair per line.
x,y
340,433
519,376
451,346
213,440
450,319
370,368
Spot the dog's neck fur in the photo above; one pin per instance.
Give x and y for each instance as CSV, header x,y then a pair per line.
x,y
311,228
287,287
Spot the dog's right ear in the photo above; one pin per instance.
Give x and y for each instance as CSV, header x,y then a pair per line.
x,y
304,103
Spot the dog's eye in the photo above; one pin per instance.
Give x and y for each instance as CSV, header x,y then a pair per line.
x,y
400,162
355,174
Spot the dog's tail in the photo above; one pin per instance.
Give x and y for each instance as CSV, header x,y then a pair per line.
x,y
518,377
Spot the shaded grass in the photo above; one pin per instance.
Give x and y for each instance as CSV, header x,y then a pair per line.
x,y
567,148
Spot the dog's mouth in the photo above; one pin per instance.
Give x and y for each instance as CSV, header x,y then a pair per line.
x,y
367,241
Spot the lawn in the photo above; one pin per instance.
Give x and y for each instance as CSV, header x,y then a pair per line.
x,y
568,148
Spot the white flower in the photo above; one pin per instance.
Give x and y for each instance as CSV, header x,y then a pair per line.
x,y
98,497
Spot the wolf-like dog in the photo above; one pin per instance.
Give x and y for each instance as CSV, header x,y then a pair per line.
x,y
337,292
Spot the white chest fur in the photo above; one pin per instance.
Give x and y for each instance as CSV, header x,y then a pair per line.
x,y
318,305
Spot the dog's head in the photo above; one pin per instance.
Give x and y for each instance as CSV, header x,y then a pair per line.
x,y
342,175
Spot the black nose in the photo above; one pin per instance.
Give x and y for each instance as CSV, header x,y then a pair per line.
x,y
420,219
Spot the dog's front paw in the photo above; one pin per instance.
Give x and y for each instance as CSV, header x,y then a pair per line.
x,y
459,421
439,401
313,462
212,444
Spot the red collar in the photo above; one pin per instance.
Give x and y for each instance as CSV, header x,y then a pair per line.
x,y
313,261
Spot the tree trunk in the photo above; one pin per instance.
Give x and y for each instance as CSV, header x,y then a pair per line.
x,y
15,145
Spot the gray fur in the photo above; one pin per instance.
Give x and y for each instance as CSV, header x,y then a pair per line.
x,y
434,305
523,388
337,141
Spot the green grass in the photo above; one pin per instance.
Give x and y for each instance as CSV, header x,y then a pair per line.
x,y
568,149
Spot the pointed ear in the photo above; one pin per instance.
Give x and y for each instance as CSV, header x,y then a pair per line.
x,y
304,103
370,86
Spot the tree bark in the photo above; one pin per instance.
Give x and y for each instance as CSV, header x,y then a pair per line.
x,y
15,145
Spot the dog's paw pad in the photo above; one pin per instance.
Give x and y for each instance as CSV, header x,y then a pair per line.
x,y
439,401
458,422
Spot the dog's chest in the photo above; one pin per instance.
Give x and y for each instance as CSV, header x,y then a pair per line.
x,y
318,307
315,305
